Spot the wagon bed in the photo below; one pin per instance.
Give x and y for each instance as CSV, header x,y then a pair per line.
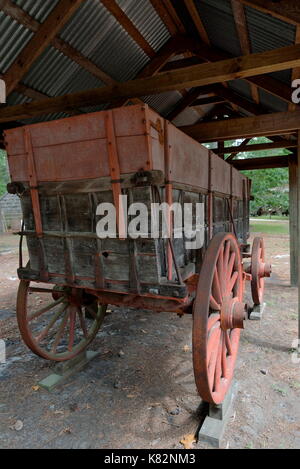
x,y
63,170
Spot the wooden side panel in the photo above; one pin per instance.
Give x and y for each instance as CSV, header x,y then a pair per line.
x,y
189,162
220,175
76,148
237,183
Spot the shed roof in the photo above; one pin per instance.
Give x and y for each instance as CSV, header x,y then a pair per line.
x,y
113,41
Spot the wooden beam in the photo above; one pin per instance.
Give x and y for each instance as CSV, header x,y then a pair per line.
x,y
197,75
233,97
165,16
207,101
287,10
130,28
185,102
181,63
259,147
243,34
279,123
19,15
269,84
42,38
267,162
194,13
173,14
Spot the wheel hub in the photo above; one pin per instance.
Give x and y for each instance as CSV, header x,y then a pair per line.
x,y
233,314
265,270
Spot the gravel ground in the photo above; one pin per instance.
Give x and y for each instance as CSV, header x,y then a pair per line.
x,y
144,397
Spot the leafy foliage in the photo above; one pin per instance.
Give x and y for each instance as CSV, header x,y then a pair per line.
x,y
269,186
4,177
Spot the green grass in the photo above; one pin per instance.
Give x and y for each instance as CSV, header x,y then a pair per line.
x,y
273,217
269,227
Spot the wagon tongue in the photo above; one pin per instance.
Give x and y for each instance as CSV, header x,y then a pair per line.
x,y
233,314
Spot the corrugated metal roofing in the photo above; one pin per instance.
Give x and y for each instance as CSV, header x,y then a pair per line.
x,y
38,9
96,34
13,38
218,20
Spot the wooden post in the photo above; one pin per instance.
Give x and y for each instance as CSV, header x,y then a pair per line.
x,y
294,226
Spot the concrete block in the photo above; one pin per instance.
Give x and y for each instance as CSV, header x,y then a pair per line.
x,y
257,312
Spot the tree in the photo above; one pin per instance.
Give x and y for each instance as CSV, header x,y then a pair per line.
x,y
4,177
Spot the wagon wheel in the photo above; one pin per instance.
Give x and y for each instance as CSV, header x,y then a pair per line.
x,y
52,321
259,270
218,316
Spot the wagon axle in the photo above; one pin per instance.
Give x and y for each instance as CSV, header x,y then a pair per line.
x,y
233,314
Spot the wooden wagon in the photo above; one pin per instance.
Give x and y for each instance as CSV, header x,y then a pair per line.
x,y
62,170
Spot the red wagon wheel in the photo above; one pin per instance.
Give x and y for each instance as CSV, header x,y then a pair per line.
x,y
52,321
259,270
218,317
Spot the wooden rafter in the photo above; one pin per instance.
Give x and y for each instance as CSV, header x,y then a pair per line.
x,y
197,75
42,38
165,16
258,147
129,26
171,48
268,83
286,10
192,9
173,14
279,123
243,34
19,15
262,163
185,102
208,100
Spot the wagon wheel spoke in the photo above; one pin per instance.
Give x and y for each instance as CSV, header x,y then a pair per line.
x,y
230,266
220,269
218,368
226,257
82,323
216,289
45,309
213,342
232,282
228,343
60,332
73,312
39,338
224,355
214,305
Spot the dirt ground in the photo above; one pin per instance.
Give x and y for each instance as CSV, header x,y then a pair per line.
x,y
145,397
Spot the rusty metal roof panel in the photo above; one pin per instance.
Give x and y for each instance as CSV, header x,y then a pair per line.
x,y
97,35
55,74
267,32
13,38
38,9
218,20
147,21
